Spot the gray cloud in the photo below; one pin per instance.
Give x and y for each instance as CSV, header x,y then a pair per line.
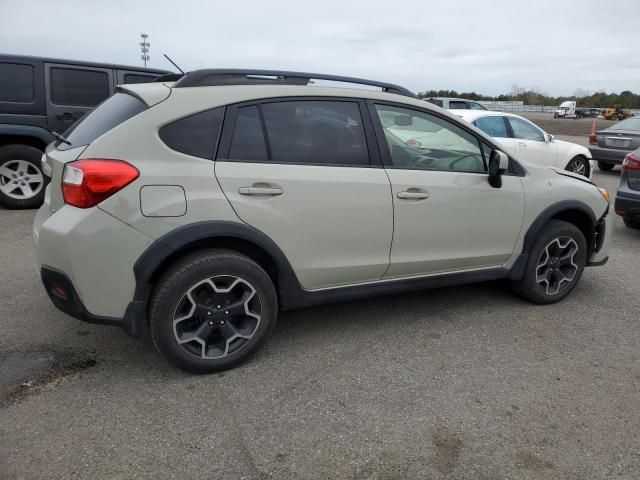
x,y
556,46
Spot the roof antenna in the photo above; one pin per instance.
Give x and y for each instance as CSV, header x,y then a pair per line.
x,y
173,63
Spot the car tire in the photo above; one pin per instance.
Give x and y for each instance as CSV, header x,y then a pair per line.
x,y
555,265
22,183
605,166
212,310
631,224
579,165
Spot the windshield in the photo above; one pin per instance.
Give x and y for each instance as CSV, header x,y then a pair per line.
x,y
107,115
628,124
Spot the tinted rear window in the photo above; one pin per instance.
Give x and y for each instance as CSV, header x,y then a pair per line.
x,y
109,114
70,86
135,78
16,83
457,105
194,135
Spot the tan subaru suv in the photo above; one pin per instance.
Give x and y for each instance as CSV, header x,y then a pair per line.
x,y
197,209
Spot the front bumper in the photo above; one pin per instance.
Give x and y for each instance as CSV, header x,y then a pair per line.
x,y
601,240
610,155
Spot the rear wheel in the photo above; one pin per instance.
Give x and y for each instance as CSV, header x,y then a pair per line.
x,y
556,262
22,182
605,166
579,165
212,310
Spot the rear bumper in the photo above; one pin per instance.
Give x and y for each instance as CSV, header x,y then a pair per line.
x,y
65,298
610,155
628,206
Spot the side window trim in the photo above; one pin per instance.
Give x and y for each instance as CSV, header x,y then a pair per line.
x,y
226,135
384,147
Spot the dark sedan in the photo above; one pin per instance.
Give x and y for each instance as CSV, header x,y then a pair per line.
x,y
628,197
611,145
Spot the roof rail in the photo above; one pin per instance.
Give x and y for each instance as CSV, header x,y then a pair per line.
x,y
213,77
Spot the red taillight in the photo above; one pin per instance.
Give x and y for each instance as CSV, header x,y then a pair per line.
x,y
631,162
592,139
87,182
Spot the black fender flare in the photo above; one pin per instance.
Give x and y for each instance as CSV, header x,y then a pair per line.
x,y
517,270
164,247
40,133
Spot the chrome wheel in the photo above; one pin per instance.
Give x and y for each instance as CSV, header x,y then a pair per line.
x,y
217,316
579,166
556,266
20,179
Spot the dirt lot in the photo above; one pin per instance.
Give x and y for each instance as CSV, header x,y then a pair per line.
x,y
566,126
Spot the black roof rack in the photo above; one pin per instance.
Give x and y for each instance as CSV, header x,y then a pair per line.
x,y
213,77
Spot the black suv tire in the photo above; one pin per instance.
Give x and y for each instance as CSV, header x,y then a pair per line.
x,y
193,318
11,156
605,166
549,264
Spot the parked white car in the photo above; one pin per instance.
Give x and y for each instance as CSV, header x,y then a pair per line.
x,y
526,141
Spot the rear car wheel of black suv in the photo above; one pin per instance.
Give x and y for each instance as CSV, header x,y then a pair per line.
x,y
22,182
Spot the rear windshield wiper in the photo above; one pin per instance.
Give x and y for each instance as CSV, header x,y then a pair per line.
x,y
61,138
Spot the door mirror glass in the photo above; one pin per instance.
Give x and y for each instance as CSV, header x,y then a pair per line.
x,y
498,164
403,120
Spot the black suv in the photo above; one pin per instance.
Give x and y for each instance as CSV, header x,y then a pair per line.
x,y
39,96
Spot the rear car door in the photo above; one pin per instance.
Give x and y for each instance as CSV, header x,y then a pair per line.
x,y
72,91
303,172
531,143
446,215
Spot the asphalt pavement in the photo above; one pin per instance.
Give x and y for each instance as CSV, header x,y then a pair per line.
x,y
468,382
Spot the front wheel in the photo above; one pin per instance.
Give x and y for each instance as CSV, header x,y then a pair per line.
x,y
579,165
556,262
212,310
605,166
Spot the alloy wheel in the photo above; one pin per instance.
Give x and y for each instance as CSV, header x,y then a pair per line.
x,y
556,266
578,166
217,316
20,179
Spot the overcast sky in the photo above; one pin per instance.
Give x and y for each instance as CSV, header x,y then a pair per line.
x,y
484,46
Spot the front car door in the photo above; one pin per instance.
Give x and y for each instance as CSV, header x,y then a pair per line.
x,y
72,91
446,215
306,173
531,143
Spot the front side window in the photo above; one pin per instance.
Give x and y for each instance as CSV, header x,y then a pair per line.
x,y
16,83
525,131
476,106
493,126
194,135
85,88
421,141
316,132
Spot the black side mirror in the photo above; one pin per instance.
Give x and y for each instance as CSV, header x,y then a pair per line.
x,y
498,164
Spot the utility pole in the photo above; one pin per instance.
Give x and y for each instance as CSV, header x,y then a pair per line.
x,y
144,48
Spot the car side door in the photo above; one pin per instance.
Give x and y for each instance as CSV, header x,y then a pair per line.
x,y
307,173
447,217
531,143
496,126
72,91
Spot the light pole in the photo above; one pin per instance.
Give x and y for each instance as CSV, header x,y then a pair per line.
x,y
144,48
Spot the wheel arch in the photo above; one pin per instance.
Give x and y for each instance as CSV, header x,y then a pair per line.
x,y
30,135
571,211
242,238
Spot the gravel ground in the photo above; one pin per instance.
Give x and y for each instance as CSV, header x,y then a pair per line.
x,y
458,383
566,126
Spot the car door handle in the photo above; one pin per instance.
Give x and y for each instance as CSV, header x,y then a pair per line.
x,y
522,144
408,195
66,116
270,191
